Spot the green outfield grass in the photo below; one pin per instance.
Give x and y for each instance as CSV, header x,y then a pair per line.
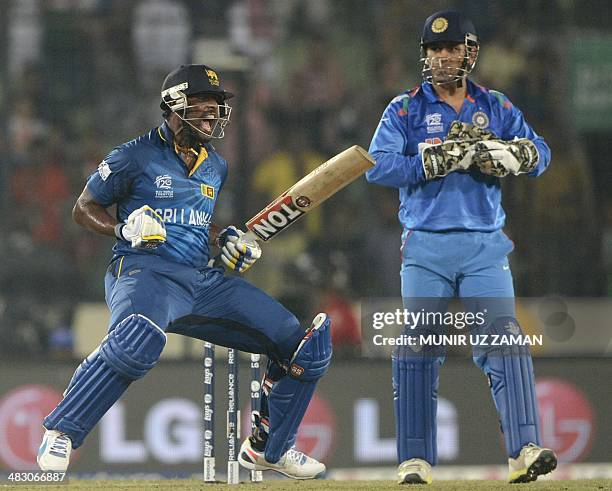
x,y
286,485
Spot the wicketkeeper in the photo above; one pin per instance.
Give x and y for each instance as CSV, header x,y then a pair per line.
x,y
446,144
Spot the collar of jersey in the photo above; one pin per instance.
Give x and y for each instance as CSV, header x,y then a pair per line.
x,y
473,91
166,136
164,133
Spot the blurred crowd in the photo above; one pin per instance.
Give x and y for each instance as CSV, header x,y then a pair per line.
x,y
312,78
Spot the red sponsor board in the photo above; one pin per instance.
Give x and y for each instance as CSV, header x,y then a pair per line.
x,y
21,415
566,417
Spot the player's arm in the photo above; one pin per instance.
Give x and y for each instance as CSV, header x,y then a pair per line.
x,y
144,228
213,234
92,215
111,183
393,168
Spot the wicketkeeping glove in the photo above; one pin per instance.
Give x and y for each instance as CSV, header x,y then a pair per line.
x,y
500,158
443,158
468,132
237,254
144,229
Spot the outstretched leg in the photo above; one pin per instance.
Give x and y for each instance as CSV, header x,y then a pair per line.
x,y
126,354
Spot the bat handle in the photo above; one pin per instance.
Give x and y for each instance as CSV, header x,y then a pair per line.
x,y
250,237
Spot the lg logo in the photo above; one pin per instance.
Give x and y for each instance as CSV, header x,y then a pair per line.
x,y
172,432
566,418
370,447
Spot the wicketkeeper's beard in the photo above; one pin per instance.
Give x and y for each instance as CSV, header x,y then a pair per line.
x,y
446,75
447,81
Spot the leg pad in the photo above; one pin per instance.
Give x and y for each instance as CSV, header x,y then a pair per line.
x,y
415,398
510,373
288,398
125,355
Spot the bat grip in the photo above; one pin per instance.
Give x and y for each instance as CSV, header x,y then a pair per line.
x,y
250,237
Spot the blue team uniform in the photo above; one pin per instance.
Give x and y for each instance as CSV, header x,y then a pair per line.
x,y
170,288
147,171
453,246
468,201
175,285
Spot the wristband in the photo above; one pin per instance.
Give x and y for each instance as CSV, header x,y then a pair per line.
x,y
118,228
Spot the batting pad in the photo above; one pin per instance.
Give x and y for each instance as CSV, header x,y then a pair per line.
x,y
415,398
126,354
290,396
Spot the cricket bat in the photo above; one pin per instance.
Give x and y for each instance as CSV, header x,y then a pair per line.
x,y
308,193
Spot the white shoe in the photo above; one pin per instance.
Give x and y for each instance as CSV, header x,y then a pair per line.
x,y
533,461
54,451
293,463
414,471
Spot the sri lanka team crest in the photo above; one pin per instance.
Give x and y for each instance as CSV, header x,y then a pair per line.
x,y
207,191
213,78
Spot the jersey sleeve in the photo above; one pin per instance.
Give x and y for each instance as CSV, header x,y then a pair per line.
x,y
112,180
388,147
515,126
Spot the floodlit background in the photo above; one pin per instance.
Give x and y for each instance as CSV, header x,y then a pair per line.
x,y
311,77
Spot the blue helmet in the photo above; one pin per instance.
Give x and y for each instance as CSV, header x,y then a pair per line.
x,y
449,26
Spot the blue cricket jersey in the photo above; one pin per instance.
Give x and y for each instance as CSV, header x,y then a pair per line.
x,y
468,201
148,171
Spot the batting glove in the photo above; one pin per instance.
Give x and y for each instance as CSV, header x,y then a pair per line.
x,y
441,159
236,253
500,158
144,229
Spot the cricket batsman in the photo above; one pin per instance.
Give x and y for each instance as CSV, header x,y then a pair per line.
x,y
446,144
165,185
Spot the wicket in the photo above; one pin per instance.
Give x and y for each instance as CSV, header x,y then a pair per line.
x,y
233,413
